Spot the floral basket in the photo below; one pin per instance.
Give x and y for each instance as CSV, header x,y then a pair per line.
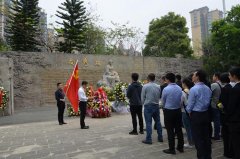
x,y
4,98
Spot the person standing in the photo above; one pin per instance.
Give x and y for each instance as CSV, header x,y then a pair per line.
x,y
223,105
60,98
150,97
179,80
134,95
233,112
187,84
215,112
197,107
83,99
171,99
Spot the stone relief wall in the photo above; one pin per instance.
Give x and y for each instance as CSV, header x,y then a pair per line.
x,y
36,74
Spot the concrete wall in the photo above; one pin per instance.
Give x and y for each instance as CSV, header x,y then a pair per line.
x,y
36,74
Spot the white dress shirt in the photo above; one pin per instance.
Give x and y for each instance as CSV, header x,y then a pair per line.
x,y
82,95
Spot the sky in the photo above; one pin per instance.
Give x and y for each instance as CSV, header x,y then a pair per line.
x,y
137,12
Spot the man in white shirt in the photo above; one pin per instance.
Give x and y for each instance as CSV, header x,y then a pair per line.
x,y
83,104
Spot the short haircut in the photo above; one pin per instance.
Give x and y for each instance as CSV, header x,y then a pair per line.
x,y
178,77
217,74
84,83
235,72
151,77
135,76
188,83
171,77
58,84
202,76
163,78
224,78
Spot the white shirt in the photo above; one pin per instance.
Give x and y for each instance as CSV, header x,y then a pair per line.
x,y
82,95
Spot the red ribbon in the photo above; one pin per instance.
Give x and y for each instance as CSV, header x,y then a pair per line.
x,y
1,97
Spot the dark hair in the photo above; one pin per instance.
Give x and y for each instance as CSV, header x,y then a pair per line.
x,y
224,78
151,77
188,83
171,77
163,78
135,76
202,76
84,83
58,84
235,72
217,74
178,77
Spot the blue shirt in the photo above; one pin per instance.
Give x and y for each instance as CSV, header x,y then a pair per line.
x,y
171,96
199,98
150,93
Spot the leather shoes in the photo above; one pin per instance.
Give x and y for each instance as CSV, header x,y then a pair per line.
x,y
147,142
133,133
141,132
167,151
60,123
85,127
180,150
160,140
64,123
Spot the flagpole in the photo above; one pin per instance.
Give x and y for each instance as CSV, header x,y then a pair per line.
x,y
71,77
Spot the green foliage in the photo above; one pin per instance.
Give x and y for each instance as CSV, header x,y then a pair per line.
x,y
22,28
3,46
74,20
167,37
94,38
224,43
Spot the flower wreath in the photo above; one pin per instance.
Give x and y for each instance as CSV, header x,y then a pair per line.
x,y
3,98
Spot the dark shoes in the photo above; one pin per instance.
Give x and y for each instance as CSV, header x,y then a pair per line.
x,y
141,132
167,151
85,127
160,140
147,142
60,123
180,150
64,123
133,133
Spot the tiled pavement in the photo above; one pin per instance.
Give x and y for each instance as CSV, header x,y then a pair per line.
x,y
34,133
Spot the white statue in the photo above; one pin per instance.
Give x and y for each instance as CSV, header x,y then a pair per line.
x,y
110,76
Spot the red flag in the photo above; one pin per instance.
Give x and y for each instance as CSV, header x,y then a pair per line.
x,y
71,88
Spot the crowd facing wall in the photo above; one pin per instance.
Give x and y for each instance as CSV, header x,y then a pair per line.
x,y
35,74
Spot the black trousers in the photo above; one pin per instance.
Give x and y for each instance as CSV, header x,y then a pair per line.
x,y
227,145
235,139
136,111
173,124
200,128
83,110
61,108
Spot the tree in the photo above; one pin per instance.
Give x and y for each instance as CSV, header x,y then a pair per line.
x,y
74,17
167,37
22,25
225,44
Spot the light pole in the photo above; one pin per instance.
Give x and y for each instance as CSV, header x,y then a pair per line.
x,y
224,9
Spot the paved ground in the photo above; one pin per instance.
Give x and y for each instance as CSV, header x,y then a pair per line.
x,y
34,133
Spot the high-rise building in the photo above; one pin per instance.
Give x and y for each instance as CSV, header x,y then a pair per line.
x,y
201,24
4,5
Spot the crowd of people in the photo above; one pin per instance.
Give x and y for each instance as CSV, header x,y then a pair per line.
x,y
191,103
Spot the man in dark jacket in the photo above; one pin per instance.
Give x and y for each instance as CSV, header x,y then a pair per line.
x,y
134,94
60,98
233,112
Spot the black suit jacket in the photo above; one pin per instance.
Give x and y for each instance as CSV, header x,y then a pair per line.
x,y
233,110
